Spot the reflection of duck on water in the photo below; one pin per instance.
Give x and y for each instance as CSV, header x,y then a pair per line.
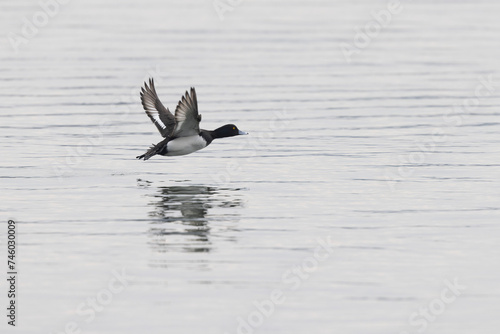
x,y
181,222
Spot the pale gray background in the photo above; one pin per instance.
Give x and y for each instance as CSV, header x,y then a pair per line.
x,y
201,251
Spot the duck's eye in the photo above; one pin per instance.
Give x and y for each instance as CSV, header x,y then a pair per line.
x,y
234,128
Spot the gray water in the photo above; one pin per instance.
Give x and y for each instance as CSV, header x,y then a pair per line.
x,y
360,196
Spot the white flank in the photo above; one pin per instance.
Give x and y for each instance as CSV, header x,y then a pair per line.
x,y
185,145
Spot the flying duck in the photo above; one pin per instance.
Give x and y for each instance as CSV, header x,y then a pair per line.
x,y
181,132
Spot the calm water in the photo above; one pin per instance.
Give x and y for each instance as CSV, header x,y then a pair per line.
x,y
362,201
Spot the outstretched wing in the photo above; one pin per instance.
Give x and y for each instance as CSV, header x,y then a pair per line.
x,y
159,115
186,116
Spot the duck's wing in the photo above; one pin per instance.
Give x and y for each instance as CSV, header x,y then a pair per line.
x,y
186,116
159,115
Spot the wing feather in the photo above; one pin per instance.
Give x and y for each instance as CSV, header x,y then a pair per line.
x,y
186,116
161,117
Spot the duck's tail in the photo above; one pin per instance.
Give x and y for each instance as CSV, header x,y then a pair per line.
x,y
153,150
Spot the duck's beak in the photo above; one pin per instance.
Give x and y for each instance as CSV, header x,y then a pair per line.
x,y
242,132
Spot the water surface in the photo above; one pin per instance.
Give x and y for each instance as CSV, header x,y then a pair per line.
x,y
355,198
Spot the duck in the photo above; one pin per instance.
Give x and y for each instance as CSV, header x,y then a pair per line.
x,y
181,130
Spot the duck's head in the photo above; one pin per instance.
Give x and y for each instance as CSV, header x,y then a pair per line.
x,y
228,130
